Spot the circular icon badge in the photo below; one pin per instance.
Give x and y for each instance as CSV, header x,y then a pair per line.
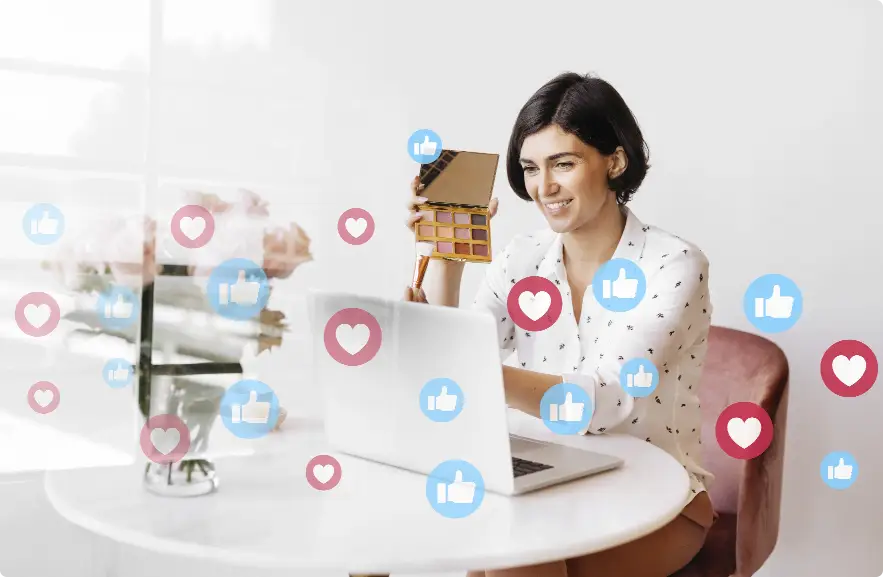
x,y
849,368
639,377
441,400
192,226
355,226
323,472
773,303
744,430
37,314
118,373
43,224
249,409
839,470
238,289
455,489
619,285
43,397
117,307
165,439
534,303
566,409
352,337
424,146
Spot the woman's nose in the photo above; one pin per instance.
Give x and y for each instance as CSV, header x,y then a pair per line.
x,y
548,186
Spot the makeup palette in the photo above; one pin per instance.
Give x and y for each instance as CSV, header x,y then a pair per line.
x,y
458,187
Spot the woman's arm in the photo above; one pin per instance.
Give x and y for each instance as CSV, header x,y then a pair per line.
x,y
677,316
442,282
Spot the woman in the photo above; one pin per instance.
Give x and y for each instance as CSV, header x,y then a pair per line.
x,y
578,154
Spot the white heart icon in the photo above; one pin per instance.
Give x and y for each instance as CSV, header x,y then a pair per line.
x,y
37,315
352,339
192,227
43,397
534,305
744,433
356,226
323,473
849,371
165,440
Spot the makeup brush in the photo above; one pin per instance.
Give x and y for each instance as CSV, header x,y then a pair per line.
x,y
423,251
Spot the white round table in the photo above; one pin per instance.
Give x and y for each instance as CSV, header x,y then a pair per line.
x,y
377,520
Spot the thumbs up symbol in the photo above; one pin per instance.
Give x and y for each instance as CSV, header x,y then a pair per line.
x,y
568,411
118,375
640,380
776,307
458,492
45,226
252,412
621,288
841,471
242,292
120,309
443,402
425,148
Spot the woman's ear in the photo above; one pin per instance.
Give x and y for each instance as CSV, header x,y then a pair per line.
x,y
617,163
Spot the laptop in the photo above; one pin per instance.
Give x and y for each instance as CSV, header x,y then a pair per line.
x,y
373,405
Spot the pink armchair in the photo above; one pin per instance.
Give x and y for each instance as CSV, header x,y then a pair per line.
x,y
746,494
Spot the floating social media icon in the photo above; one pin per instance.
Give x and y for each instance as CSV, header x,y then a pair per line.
x,y
455,489
639,377
773,303
839,470
352,337
238,289
37,314
250,409
192,226
849,368
424,146
323,472
355,226
566,409
117,307
744,430
534,303
165,439
619,285
43,224
118,373
43,397
441,400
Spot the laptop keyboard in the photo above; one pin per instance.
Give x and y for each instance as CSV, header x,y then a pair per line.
x,y
522,467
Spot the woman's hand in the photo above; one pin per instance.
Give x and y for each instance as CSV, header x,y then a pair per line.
x,y
414,217
284,250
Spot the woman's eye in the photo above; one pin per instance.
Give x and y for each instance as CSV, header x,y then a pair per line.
x,y
530,169
564,164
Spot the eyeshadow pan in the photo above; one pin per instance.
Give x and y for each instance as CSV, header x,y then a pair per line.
x,y
478,219
446,247
443,217
426,230
427,215
446,232
479,234
479,249
462,248
462,233
461,218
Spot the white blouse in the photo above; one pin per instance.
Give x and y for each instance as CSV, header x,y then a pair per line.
x,y
669,327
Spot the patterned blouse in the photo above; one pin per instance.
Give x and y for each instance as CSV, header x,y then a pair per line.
x,y
669,327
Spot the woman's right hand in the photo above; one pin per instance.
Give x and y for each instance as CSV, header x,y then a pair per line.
x,y
414,217
413,295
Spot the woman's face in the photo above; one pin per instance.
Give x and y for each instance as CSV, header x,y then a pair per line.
x,y
567,178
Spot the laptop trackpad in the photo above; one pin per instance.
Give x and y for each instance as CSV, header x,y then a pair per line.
x,y
520,446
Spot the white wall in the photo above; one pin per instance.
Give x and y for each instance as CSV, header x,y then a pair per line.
x,y
762,118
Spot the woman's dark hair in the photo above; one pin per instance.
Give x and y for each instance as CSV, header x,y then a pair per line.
x,y
593,111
